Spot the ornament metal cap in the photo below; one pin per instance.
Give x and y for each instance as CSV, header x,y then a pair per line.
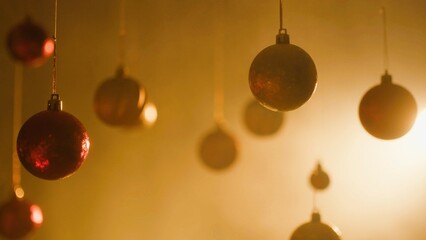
x,y
54,103
121,71
282,37
386,78
316,217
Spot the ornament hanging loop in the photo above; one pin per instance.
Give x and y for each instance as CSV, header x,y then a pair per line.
x,y
282,36
55,103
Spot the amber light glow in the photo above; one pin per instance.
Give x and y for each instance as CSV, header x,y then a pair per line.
x,y
149,114
36,214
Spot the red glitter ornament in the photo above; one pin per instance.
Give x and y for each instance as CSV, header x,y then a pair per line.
x,y
387,111
218,149
52,144
29,43
119,101
18,218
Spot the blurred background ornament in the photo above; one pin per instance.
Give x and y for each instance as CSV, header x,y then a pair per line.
x,y
316,230
218,149
261,121
29,44
387,111
282,76
119,101
319,179
19,218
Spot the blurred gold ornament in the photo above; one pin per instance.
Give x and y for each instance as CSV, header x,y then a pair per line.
x,y
218,149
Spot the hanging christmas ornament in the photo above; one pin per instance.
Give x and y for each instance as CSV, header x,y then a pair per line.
x,y
29,44
262,121
319,179
282,76
218,149
316,230
387,111
53,144
119,101
18,217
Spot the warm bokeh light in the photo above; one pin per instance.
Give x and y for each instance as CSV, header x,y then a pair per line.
x,y
19,192
149,114
36,214
419,129
49,47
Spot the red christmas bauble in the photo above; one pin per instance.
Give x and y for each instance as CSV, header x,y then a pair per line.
x,y
319,179
52,144
119,101
29,43
316,230
262,121
18,218
387,111
283,76
218,149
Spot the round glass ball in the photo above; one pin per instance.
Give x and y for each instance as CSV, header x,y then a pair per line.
x,y
18,218
218,149
316,230
262,121
52,144
283,76
28,43
119,101
387,111
319,178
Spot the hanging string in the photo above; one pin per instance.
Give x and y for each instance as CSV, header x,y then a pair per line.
x,y
218,75
54,75
17,119
282,29
385,40
314,201
122,32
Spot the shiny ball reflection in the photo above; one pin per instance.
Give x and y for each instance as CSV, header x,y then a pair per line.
x,y
387,111
283,76
218,149
18,218
319,179
262,121
52,144
149,115
316,230
119,101
29,44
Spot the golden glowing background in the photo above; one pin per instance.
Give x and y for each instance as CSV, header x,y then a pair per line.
x,y
150,184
